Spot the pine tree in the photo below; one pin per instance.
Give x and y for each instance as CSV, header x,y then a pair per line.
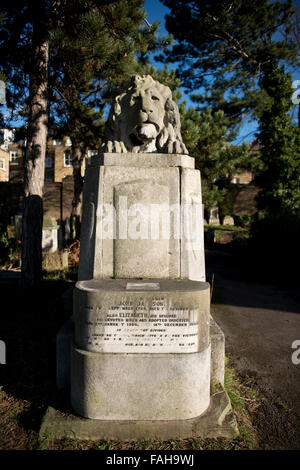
x,y
94,51
208,137
275,234
280,146
24,50
98,41
224,46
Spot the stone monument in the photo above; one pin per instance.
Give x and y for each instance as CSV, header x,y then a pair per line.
x,y
50,234
145,350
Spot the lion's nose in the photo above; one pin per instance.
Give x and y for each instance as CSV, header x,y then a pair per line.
x,y
146,106
147,110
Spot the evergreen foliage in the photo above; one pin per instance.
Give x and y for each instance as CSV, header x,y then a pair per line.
x,y
208,137
224,46
93,50
280,146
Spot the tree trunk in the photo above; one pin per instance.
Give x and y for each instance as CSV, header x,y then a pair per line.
x,y
34,167
78,187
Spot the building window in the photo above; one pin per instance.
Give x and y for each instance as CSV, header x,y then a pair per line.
x,y
13,157
48,162
68,160
2,164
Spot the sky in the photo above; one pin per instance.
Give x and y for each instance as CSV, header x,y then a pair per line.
x,y
156,11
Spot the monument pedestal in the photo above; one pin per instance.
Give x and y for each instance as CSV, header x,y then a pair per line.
x,y
140,396
142,349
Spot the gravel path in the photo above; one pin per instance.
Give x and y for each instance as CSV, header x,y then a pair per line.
x,y
260,323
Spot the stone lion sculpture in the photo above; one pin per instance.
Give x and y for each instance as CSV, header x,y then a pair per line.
x,y
144,118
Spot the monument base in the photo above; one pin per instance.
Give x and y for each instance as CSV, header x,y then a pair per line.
x,y
160,394
140,386
217,421
141,349
65,339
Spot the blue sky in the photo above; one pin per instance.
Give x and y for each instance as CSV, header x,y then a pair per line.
x,y
156,11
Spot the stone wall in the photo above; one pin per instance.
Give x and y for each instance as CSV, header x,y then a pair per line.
x,y
245,200
52,194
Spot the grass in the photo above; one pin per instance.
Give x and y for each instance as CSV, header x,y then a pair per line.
x,y
28,384
18,431
245,399
230,228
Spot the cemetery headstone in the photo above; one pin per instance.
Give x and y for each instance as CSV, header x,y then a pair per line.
x,y
50,234
18,226
67,229
228,220
214,218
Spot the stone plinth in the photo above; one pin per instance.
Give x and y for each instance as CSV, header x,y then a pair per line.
x,y
142,349
142,217
218,421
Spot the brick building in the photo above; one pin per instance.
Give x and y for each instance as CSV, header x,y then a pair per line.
x,y
4,166
246,177
58,161
16,152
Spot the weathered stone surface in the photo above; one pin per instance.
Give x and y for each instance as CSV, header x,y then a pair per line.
x,y
117,238
192,231
140,386
146,160
144,118
149,204
217,367
217,421
65,338
50,234
142,349
228,220
18,227
142,253
214,218
173,318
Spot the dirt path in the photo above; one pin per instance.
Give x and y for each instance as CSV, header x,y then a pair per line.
x,y
260,323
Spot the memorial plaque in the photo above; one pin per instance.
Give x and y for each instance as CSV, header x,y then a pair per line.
x,y
141,321
142,286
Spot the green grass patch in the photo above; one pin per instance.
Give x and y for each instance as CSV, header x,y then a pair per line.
x,y
232,228
243,396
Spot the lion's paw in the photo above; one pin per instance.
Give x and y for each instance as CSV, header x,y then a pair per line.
x,y
175,146
115,146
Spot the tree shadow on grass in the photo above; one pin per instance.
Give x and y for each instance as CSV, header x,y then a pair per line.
x,y
29,325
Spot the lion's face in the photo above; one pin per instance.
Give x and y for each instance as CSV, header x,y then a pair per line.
x,y
145,115
140,119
